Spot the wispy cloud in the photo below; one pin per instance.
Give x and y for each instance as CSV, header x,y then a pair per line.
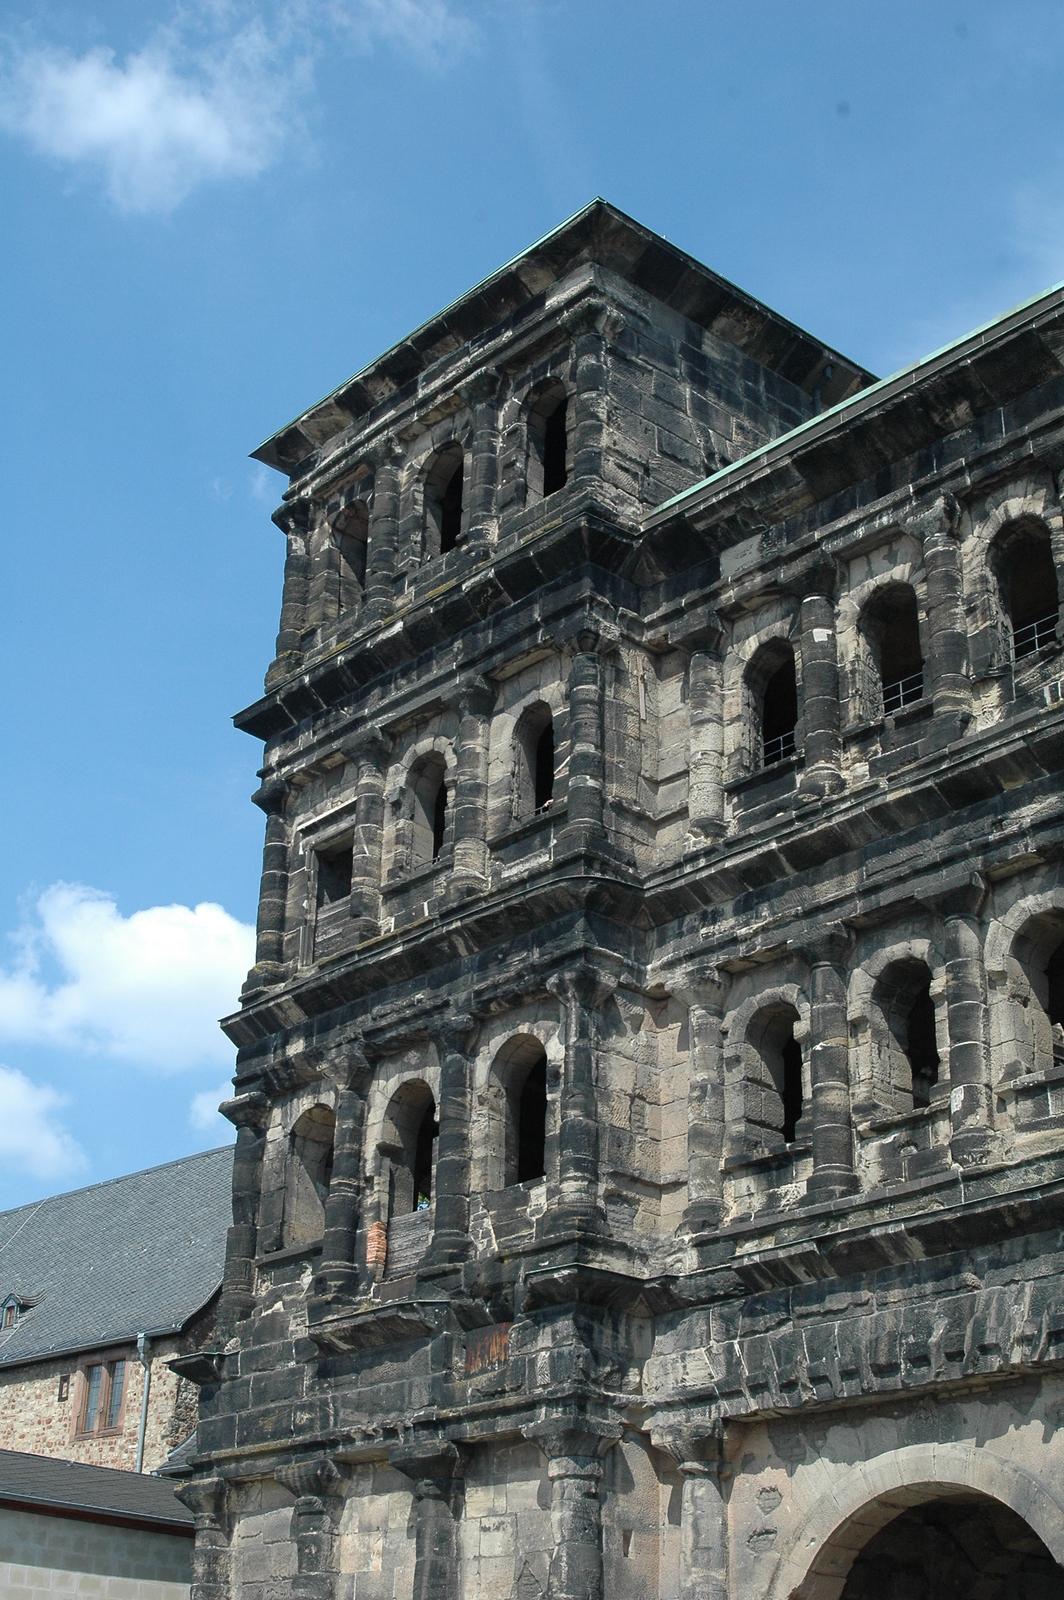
x,y
146,989
32,1139
215,94
203,1114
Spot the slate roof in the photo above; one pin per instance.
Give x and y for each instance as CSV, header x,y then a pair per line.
x,y
139,1254
37,1483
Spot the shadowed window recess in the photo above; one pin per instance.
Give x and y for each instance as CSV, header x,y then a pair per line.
x,y
444,504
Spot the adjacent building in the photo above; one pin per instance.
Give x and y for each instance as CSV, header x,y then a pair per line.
x,y
100,1290
650,1088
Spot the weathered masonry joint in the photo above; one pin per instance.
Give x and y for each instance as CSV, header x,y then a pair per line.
x,y
650,1090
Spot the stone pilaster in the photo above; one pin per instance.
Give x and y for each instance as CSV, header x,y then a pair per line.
x,y
337,1275
482,396
208,1499
470,871
591,325
703,1511
705,802
383,532
454,1035
436,1475
947,663
369,751
292,520
587,761
821,711
323,590
832,1117
704,995
574,1468
271,797
250,1114
318,1485
582,992
966,1005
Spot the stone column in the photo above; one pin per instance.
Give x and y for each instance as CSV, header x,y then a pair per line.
x,y
208,1499
337,1275
250,1114
318,1486
574,1468
704,995
271,797
966,1003
292,520
323,590
833,1159
383,532
703,1512
590,325
705,803
587,762
821,711
470,871
581,992
369,751
454,1035
436,1475
481,395
947,663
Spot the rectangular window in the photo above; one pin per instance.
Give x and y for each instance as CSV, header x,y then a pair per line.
x,y
93,1385
105,1383
114,1399
64,1386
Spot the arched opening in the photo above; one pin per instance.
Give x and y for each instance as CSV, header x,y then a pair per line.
x,y
308,1169
351,532
955,1547
1022,558
902,995
775,1096
518,1108
774,684
444,485
409,1144
891,624
548,439
1035,993
428,829
534,763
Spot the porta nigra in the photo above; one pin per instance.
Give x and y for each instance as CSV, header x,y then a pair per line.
x,y
650,1086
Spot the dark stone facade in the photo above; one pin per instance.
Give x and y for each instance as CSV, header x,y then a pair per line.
x,y
650,1172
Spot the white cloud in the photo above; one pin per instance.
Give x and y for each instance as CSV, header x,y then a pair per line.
x,y
147,988
203,1114
214,95
31,1139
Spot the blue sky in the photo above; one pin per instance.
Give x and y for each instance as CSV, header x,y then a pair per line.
x,y
215,211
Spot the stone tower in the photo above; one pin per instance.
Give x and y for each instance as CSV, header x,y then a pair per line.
x,y
650,1088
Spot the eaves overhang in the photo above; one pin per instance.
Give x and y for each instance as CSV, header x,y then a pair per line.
x,y
598,233
932,397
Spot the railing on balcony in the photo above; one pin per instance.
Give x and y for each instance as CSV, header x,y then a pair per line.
x,y
778,748
903,691
1033,635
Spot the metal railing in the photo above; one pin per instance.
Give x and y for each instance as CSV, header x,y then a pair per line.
x,y
903,691
778,748
1033,635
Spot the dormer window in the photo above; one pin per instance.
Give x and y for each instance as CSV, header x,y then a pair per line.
x,y
10,1313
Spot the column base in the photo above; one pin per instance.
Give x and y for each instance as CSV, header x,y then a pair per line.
x,y
832,1184
701,1217
446,1250
264,975
463,887
820,781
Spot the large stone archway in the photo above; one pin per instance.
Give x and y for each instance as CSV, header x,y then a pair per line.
x,y
817,1561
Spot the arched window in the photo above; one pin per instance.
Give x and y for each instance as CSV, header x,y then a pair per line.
x,y
891,625
903,997
351,532
308,1170
1036,973
774,687
410,1135
1027,577
775,1098
443,500
548,443
429,820
517,1112
534,763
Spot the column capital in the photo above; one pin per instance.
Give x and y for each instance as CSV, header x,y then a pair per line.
x,y
696,1449
272,795
581,985
207,1498
250,1110
830,949
593,316
348,1064
575,1444
700,632
940,521
819,578
370,744
317,1479
961,899
454,1031
482,387
386,452
702,985
429,1462
476,698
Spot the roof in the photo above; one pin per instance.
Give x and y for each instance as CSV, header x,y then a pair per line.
x,y
598,233
39,1483
977,373
138,1254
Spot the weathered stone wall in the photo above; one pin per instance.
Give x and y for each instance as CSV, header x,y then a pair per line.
x,y
43,1555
